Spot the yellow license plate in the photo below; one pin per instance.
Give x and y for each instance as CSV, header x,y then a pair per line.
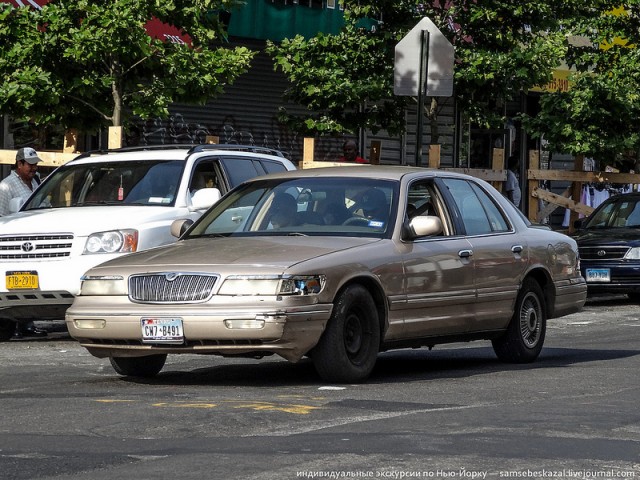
x,y
22,280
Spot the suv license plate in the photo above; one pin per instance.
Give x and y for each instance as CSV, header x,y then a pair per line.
x,y
22,280
598,275
162,330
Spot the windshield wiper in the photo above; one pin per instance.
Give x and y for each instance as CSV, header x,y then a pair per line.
x,y
99,202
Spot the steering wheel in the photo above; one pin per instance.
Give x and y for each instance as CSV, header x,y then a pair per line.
x,y
356,221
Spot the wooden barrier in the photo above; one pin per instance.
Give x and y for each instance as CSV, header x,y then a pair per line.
x,y
49,159
308,155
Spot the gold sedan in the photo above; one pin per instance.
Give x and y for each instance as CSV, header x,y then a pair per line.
x,y
337,264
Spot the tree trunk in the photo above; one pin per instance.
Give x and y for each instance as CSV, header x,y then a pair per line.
x,y
116,92
432,115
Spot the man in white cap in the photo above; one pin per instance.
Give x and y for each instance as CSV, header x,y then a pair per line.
x,y
22,181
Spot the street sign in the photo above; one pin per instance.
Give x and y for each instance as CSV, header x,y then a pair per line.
x,y
409,60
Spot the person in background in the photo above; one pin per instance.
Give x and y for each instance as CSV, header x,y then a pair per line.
x,y
20,183
512,185
350,153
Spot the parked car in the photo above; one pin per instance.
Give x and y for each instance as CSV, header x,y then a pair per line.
x,y
336,264
102,205
609,244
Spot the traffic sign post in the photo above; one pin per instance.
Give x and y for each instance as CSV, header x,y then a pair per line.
x,y
423,66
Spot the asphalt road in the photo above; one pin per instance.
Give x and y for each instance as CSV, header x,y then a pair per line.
x,y
451,413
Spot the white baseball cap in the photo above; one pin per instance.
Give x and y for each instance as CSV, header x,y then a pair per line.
x,y
29,155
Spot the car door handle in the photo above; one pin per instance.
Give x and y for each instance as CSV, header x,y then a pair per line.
x,y
517,249
465,253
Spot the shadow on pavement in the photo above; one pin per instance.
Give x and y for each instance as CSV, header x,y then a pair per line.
x,y
400,366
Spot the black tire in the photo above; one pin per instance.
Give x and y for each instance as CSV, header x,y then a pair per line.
x,y
348,348
634,297
148,366
7,329
523,340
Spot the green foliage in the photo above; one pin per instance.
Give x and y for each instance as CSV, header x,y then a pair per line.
x,y
599,115
502,48
91,63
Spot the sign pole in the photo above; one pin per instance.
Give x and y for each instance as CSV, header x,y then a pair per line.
x,y
424,62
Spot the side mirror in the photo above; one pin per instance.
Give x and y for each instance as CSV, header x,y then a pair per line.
x,y
204,198
577,224
15,204
424,226
178,227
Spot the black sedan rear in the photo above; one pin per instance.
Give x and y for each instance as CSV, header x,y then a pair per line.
x,y
609,246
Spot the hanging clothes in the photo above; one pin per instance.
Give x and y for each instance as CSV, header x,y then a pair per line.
x,y
600,196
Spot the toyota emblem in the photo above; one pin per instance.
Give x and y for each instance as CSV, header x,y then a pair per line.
x,y
28,247
601,253
170,276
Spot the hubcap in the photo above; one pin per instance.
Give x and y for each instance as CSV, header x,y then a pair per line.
x,y
530,318
352,335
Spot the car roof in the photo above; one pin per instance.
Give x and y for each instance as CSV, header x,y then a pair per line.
x,y
388,172
623,196
176,152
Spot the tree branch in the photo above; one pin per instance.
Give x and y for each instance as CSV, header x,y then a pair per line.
x,y
143,59
92,107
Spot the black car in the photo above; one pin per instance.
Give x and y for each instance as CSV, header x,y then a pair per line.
x,y
609,246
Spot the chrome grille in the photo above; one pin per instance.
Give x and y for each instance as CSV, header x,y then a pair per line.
x,y
26,247
606,252
171,287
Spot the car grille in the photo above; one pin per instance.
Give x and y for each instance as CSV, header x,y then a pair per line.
x,y
26,247
171,287
603,252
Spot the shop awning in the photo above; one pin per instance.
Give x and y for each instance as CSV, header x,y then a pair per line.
x,y
155,28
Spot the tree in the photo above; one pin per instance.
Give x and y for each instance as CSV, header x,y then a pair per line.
x,y
502,48
91,63
599,115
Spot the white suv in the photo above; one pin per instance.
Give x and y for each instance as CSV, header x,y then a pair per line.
x,y
105,204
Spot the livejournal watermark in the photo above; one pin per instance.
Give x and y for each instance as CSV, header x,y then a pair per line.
x,y
463,473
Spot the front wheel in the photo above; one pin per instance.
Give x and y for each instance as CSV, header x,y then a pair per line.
x,y
7,328
522,342
348,348
634,296
148,366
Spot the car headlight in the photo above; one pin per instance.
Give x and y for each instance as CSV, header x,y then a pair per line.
x,y
103,285
633,254
114,241
272,285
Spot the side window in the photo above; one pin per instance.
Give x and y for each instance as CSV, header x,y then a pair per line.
x,y
272,167
205,175
239,169
421,200
479,213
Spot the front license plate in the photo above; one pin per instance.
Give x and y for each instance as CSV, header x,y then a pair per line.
x,y
22,280
162,330
598,275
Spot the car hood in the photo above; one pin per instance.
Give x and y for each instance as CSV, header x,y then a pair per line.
x,y
608,236
243,253
82,221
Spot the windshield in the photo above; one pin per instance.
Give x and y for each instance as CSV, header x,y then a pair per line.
x,y
621,212
151,182
342,206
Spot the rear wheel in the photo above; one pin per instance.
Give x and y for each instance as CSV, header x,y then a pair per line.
x,y
348,348
7,328
523,340
148,366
